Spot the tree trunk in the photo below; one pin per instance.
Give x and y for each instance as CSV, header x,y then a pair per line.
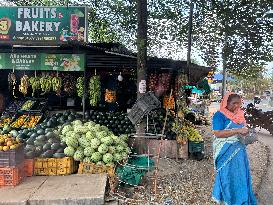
x,y
224,57
142,15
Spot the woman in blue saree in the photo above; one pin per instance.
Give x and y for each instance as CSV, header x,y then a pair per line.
x,y
233,183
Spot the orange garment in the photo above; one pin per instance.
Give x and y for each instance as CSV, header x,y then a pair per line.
x,y
237,116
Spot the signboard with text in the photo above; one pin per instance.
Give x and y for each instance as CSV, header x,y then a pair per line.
x,y
42,25
42,61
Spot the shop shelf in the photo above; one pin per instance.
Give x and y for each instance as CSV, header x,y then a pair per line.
x,y
11,176
15,105
91,168
195,147
12,158
29,167
54,166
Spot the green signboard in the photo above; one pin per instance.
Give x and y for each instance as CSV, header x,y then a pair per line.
x,y
42,25
42,61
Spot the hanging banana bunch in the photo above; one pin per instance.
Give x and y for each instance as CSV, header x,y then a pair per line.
x,y
94,90
57,84
24,85
35,84
80,86
12,82
45,83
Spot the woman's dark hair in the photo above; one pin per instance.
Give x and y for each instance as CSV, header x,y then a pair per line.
x,y
232,96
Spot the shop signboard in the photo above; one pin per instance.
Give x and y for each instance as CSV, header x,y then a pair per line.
x,y
42,61
43,25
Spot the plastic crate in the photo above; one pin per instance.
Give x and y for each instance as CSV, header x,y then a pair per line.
x,y
143,106
29,167
11,176
195,147
12,158
91,168
41,171
54,166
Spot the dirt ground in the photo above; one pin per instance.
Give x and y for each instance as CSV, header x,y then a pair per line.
x,y
189,182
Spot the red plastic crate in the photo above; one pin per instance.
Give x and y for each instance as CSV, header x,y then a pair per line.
x,y
11,176
29,167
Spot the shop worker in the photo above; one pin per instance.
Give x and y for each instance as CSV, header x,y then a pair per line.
x,y
233,182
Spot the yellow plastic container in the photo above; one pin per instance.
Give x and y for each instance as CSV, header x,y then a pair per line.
x,y
54,166
91,168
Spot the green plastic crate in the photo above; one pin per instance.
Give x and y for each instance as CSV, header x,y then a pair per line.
x,y
196,146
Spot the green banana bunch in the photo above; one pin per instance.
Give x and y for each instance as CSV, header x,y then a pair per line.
x,y
46,83
35,84
94,90
80,86
192,133
56,84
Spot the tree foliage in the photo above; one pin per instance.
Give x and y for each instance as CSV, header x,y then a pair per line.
x,y
249,33
246,24
250,86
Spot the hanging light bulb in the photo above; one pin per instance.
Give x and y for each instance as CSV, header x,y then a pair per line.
x,y
120,78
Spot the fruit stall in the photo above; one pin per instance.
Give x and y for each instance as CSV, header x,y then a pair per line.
x,y
66,105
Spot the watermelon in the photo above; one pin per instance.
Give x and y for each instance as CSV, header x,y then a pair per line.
x,y
103,148
107,158
88,151
96,157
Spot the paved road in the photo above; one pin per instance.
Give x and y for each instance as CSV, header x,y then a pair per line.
x,y
265,194
265,104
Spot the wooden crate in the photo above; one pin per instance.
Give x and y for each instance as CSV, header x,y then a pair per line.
x,y
169,148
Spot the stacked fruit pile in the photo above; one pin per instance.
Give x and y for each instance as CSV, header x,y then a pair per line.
x,y
156,123
6,119
7,142
89,142
117,122
19,121
191,132
43,143
31,121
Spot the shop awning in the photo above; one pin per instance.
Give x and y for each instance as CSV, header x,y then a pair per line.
x,y
113,56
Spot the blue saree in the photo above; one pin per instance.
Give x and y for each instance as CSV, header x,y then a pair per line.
x,y
233,182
